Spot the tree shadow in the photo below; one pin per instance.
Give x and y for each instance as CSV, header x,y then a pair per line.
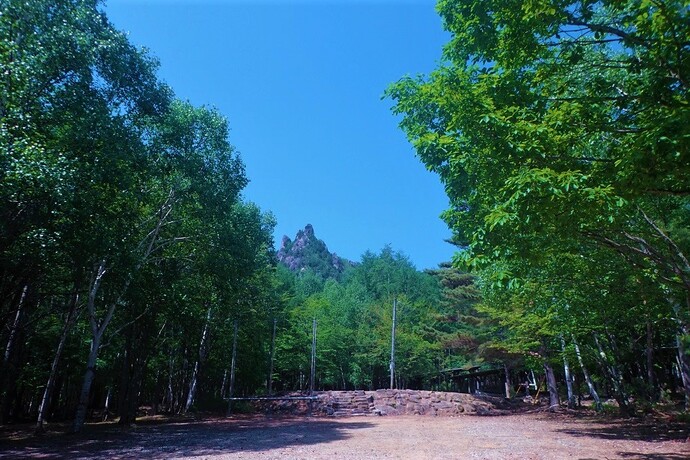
x,y
651,430
656,456
182,439
646,430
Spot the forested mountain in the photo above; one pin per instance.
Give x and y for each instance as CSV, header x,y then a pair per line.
x,y
307,252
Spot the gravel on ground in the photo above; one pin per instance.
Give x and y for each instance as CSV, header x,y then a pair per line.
x,y
523,436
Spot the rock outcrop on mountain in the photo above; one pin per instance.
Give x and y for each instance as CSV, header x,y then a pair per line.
x,y
307,252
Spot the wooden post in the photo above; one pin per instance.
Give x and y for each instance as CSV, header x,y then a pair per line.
x,y
232,370
392,365
312,371
312,375
271,354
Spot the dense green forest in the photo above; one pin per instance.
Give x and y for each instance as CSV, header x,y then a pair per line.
x,y
128,253
560,130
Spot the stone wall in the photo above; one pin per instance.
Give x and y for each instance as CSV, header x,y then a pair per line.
x,y
385,402
410,402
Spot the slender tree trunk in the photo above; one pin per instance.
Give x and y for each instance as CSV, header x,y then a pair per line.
x,y
171,391
588,379
649,358
568,377
232,368
615,377
508,383
134,364
8,371
202,357
127,394
14,329
192,388
312,373
269,380
684,368
48,391
224,383
96,339
156,394
106,405
682,356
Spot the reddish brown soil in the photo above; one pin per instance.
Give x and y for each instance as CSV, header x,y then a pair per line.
x,y
518,436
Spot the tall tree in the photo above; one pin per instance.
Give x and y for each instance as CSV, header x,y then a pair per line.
x,y
560,126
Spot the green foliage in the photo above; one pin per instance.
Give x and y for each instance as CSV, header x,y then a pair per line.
x,y
354,317
117,196
560,131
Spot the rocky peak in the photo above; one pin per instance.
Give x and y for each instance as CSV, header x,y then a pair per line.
x,y
309,252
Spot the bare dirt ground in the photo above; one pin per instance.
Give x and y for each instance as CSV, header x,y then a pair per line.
x,y
517,436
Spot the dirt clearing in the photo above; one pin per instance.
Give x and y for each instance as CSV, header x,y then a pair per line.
x,y
524,436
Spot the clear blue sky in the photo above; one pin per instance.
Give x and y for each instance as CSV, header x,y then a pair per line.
x,y
301,84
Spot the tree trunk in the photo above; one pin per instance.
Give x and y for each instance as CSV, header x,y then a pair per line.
x,y
48,391
269,380
224,383
124,398
202,357
106,405
684,368
649,358
83,404
588,379
615,377
14,329
171,387
568,377
96,338
508,383
554,400
8,374
232,368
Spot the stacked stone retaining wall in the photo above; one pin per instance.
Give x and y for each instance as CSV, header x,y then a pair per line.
x,y
386,402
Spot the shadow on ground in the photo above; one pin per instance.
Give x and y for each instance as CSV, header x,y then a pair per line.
x,y
629,429
657,456
182,439
646,430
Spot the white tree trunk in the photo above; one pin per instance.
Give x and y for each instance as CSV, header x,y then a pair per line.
x,y
615,377
202,356
14,329
568,377
684,368
588,379
45,400
508,384
96,338
554,400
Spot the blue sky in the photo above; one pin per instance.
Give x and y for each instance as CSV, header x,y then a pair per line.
x,y
301,84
